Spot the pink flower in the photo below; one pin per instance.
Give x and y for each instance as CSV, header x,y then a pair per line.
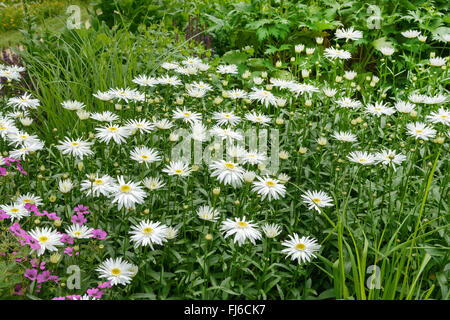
x,y
69,251
73,296
31,274
2,171
98,234
104,285
78,219
59,298
67,239
3,215
18,290
80,209
95,293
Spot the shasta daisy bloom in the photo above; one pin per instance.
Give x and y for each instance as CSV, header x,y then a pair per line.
x,y
227,69
236,151
15,211
30,198
98,185
199,132
117,271
228,118
79,232
75,147
270,188
253,157
201,86
329,92
361,157
387,51
416,98
186,115
271,230
437,99
127,194
437,62
346,102
124,94
228,173
258,118
65,185
332,53
47,238
106,116
345,136
379,109
207,213
348,34
411,34
104,96
263,96
350,75
7,127
169,65
236,94
147,233
145,81
73,105
114,132
9,75
316,200
442,116
241,229
141,125
301,88
18,138
226,133
189,70
192,61
153,184
388,157
168,80
171,233
196,92
177,168
163,124
300,249
404,107
281,83
145,155
25,150
24,102
420,130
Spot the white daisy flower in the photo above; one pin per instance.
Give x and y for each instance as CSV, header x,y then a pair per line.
x,y
73,105
258,118
226,133
348,34
47,238
228,173
145,155
241,229
228,118
147,233
317,199
227,69
15,211
30,198
420,130
442,116
127,194
115,270
263,96
98,185
106,116
24,102
207,213
145,81
300,249
141,125
79,232
361,157
186,115
75,147
270,188
388,157
345,136
271,230
177,168
112,132
332,53
153,183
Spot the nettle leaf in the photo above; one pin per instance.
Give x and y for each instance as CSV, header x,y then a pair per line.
x,y
262,34
258,24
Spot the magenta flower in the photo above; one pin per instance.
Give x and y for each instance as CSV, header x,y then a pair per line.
x,y
18,290
31,274
78,219
98,234
80,209
59,298
67,239
104,285
95,293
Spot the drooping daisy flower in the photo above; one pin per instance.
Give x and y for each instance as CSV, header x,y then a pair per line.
x,y
350,75
168,80
317,199
437,62
186,115
199,132
404,107
411,34
300,249
30,198
25,150
241,229
388,157
171,233
15,211
348,34
332,53
228,173
437,99
345,136
226,133
169,65
346,102
282,83
207,213
416,98
253,157
153,183
271,230
114,132
361,157
258,118
127,194
117,271
270,188
99,185
263,96
236,94
106,116
178,168
73,105
145,81
301,88
24,102
442,116
379,108
163,124
65,185
329,92
147,233
196,92
77,231
48,239
145,155
201,86
75,147
228,118
387,51
227,69
420,130
141,125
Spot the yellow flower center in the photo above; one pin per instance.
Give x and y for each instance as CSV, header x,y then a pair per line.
x,y
23,137
419,131
113,129
300,246
77,233
98,181
115,271
125,188
144,156
187,114
147,230
258,119
242,224
316,200
178,171
15,210
27,200
75,144
2,128
43,239
270,183
229,165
